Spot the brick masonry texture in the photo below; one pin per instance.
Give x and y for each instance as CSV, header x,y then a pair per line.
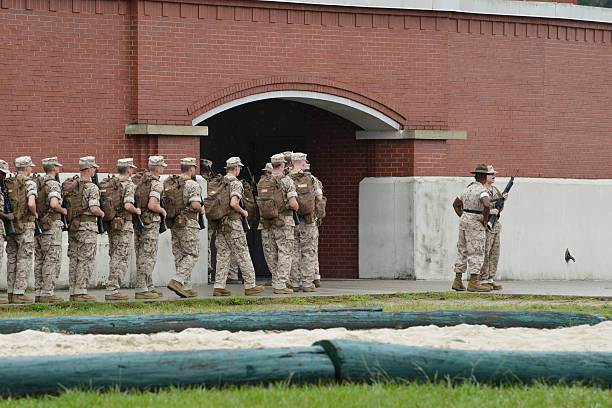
x,y
532,93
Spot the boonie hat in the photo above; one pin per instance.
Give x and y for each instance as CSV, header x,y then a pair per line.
x,y
483,169
51,161
128,162
268,167
233,162
188,161
205,163
24,161
157,161
87,162
4,167
277,158
298,156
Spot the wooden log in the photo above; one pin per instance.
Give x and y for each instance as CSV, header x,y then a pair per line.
x,y
353,319
367,361
51,374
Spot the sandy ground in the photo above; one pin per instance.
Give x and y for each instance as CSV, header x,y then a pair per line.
x,y
467,337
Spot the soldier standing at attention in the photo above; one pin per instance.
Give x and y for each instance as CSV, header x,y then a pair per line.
x,y
473,207
319,186
48,245
4,171
303,264
146,240
82,235
231,238
489,266
267,171
186,231
277,199
20,246
121,231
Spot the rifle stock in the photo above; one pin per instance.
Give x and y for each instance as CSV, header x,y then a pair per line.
x,y
162,223
63,217
9,225
255,194
500,203
94,180
245,222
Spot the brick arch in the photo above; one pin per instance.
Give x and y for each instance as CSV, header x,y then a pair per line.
x,y
295,83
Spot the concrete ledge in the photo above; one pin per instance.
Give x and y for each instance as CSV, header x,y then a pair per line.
x,y
412,134
165,130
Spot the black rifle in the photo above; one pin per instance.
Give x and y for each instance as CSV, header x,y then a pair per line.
x,y
64,219
200,215
296,219
162,223
255,194
9,225
500,203
245,222
136,219
37,229
94,180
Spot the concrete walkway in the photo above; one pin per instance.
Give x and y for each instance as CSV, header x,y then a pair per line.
x,y
337,287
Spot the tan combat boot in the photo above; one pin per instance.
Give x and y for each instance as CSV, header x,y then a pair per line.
x,y
56,299
284,291
191,292
317,283
10,297
494,286
474,286
157,292
177,288
294,288
268,283
84,298
253,291
457,283
49,299
311,288
221,292
21,299
148,295
3,301
231,281
115,296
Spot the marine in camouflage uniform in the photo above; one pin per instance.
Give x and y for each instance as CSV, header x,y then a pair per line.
x,y
146,240
489,266
317,276
4,171
20,246
473,207
304,256
48,245
231,238
119,240
186,238
82,235
278,240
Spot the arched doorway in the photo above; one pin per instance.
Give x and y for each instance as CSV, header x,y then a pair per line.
x,y
258,126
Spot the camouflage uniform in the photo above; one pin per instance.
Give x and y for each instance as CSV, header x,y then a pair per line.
x,y
472,234
304,255
489,267
20,248
317,275
82,241
186,240
278,242
231,241
48,246
119,240
145,243
2,233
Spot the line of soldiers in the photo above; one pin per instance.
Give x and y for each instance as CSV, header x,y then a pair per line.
x,y
478,246
290,205
35,210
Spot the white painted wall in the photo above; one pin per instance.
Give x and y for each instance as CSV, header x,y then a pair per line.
x,y
407,228
164,269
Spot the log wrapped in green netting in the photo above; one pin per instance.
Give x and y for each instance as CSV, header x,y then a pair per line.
x,y
51,374
368,361
351,318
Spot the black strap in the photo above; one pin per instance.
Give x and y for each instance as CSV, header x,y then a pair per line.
x,y
472,211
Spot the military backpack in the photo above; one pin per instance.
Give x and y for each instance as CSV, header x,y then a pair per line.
x,y
46,214
173,196
110,198
304,185
17,189
217,203
143,182
72,194
270,201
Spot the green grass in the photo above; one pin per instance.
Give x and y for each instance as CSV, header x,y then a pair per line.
x,y
344,395
396,302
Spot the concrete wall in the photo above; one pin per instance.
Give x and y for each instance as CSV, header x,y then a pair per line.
x,y
407,228
164,269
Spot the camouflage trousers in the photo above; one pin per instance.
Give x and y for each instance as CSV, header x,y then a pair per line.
x,y
489,266
145,245
470,251
47,260
119,253
233,267
186,251
233,244
19,251
303,263
278,243
82,245
317,273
